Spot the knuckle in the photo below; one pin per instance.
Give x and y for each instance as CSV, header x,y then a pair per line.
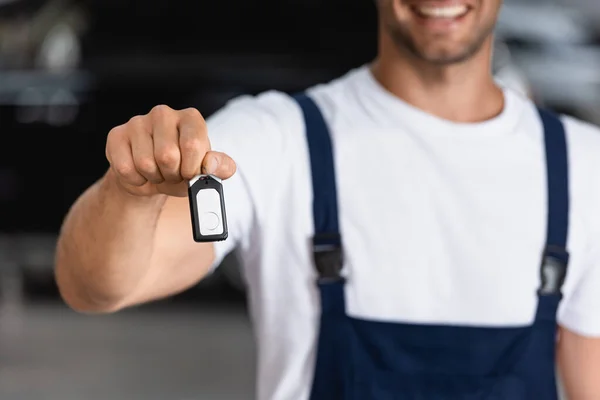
x,y
192,113
124,169
146,165
161,111
168,157
116,133
191,144
136,122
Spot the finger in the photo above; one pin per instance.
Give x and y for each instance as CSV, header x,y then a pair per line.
x,y
218,164
118,153
166,143
193,142
142,150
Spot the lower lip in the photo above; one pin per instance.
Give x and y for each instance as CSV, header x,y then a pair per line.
x,y
440,24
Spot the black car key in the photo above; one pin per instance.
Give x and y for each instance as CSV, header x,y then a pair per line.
x,y
207,208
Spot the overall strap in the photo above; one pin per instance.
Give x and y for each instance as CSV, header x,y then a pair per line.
x,y
558,185
331,350
556,256
327,243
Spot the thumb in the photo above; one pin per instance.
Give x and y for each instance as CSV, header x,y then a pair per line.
x,y
218,164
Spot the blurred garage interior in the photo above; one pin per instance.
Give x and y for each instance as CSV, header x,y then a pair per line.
x,y
71,70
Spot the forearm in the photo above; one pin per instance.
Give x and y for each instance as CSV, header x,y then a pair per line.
x,y
104,250
579,365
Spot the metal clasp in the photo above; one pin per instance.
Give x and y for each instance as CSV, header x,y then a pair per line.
x,y
328,257
553,271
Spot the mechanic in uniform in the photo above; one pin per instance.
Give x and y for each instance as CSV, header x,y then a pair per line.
x,y
410,230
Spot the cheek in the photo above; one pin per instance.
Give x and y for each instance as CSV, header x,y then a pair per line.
x,y
489,11
398,11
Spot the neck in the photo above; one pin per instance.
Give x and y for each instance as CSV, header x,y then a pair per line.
x,y
463,92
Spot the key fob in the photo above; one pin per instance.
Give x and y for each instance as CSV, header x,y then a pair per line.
x,y
207,208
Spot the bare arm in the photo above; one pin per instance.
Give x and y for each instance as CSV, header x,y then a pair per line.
x,y
116,250
579,364
128,238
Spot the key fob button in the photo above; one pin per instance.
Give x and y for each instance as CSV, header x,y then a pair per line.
x,y
210,221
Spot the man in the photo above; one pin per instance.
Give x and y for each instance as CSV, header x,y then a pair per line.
x,y
453,205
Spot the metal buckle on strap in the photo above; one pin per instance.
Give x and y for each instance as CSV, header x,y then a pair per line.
x,y
553,270
328,257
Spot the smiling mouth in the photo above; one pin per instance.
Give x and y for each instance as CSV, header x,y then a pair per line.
x,y
441,12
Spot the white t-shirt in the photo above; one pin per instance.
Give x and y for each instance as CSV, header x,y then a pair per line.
x,y
441,222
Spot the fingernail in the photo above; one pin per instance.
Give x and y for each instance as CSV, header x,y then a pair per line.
x,y
212,165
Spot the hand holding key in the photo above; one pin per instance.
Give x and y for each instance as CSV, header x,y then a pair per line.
x,y
160,152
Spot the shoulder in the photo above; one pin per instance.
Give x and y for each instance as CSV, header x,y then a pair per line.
x,y
271,109
279,107
274,117
583,141
339,95
579,311
583,137
253,129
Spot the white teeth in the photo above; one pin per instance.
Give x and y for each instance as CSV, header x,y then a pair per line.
x,y
443,12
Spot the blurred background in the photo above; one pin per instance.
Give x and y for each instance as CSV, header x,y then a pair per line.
x,y
71,70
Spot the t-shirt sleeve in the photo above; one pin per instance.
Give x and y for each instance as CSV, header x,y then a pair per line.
x,y
252,131
580,308
580,312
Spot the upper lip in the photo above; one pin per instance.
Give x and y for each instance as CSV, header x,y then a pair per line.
x,y
441,3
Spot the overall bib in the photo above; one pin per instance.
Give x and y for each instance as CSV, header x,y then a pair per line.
x,y
359,359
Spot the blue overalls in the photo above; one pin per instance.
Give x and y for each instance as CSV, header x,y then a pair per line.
x,y
359,359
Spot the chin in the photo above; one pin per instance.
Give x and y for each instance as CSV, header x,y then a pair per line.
x,y
441,50
444,56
